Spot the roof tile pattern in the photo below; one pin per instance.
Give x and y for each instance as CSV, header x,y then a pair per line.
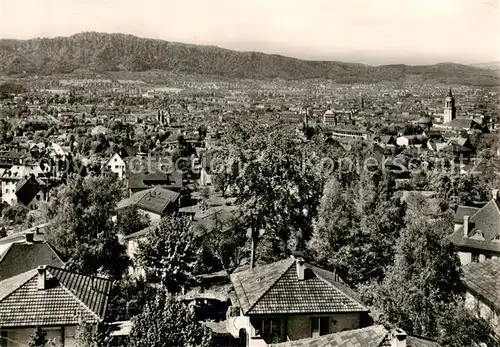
x,y
373,336
276,289
367,337
311,295
484,279
67,297
251,284
156,200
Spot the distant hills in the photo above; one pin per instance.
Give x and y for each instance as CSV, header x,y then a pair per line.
x,y
119,52
494,65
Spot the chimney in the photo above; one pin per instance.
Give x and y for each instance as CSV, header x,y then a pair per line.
x,y
300,265
398,338
494,194
466,226
29,237
42,277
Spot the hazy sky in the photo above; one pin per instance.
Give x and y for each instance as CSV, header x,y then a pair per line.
x,y
367,31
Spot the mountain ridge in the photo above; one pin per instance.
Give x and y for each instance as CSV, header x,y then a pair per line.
x,y
103,52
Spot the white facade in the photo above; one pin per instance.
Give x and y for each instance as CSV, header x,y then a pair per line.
x,y
15,337
117,166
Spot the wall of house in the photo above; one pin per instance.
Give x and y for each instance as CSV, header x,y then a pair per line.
x,y
9,192
483,310
117,166
21,336
134,270
152,216
300,327
466,257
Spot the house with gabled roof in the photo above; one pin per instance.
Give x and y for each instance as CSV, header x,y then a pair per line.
x,y
482,290
54,299
477,238
117,165
154,202
21,256
290,300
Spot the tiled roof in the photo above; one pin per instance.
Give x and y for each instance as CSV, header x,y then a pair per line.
x,y
275,289
67,297
138,176
415,341
464,211
372,336
484,279
250,285
220,216
486,220
22,257
462,123
155,200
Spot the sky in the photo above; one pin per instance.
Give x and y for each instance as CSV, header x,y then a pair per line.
x,y
365,31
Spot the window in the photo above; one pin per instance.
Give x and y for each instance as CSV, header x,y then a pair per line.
x,y
3,339
475,257
269,327
320,325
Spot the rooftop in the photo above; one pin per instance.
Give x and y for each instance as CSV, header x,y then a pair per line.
x,y
65,298
276,289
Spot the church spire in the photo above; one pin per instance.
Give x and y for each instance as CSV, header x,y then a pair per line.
x,y
450,94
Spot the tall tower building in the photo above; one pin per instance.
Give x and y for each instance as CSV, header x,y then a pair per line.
x,y
450,112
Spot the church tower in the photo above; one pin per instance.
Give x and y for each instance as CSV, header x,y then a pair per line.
x,y
450,112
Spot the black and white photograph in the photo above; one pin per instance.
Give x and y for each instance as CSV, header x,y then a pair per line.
x,y
250,173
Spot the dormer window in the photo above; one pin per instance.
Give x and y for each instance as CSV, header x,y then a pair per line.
x,y
496,238
478,235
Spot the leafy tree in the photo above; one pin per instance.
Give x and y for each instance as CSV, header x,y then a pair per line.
x,y
168,255
38,339
83,229
425,276
166,321
129,221
15,214
277,189
356,227
456,189
461,327
223,245
88,335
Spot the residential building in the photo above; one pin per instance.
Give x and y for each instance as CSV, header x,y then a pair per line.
x,y
117,166
15,178
154,202
21,256
477,231
291,300
53,299
482,290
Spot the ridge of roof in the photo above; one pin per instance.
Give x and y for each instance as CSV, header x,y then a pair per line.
x,y
237,277
56,252
23,278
